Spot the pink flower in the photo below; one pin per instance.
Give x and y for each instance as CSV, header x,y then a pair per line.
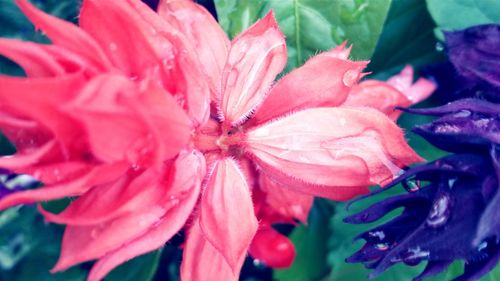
x,y
158,121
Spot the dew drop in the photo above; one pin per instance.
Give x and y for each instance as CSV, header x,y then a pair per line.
x,y
94,232
440,211
382,246
439,47
113,47
350,77
258,263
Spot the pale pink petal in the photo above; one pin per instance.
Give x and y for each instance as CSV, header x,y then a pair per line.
x,y
28,157
34,60
324,80
272,248
417,92
378,95
208,38
331,147
190,172
198,249
255,58
227,217
287,202
67,35
73,187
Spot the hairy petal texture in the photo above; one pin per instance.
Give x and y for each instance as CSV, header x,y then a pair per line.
x,y
306,87
67,35
334,148
209,40
287,202
123,122
199,248
139,231
255,58
227,217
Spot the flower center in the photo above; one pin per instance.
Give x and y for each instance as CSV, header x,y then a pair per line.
x,y
226,142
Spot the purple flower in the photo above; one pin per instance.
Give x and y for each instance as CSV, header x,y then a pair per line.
x,y
11,182
451,210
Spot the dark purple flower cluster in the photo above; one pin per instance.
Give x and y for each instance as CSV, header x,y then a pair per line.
x,y
452,205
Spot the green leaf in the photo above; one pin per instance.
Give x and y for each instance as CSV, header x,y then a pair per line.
x,y
407,38
460,14
311,26
310,244
140,268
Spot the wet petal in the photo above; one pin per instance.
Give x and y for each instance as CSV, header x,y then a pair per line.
x,y
73,187
187,182
331,147
198,248
287,202
227,217
67,35
255,58
210,41
307,87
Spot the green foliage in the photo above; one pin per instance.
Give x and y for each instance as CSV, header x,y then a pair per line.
x,y
311,245
311,26
452,15
142,268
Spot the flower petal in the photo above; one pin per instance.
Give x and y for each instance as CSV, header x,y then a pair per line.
x,y
227,217
190,169
67,35
255,58
74,187
287,202
199,249
331,147
209,40
307,87
415,92
272,248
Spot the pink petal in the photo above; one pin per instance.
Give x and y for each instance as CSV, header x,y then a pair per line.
x,y
73,187
124,123
417,92
272,248
45,96
28,157
287,202
227,217
189,174
199,249
66,34
331,147
209,40
34,60
131,192
256,57
324,80
378,95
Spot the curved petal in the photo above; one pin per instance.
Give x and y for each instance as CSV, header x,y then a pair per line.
x,y
123,123
255,58
209,40
188,182
324,80
415,92
227,217
67,35
287,202
378,95
272,248
73,187
331,147
199,249
34,60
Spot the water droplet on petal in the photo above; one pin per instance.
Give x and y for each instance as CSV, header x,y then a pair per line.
x,y
94,232
439,47
440,211
382,246
113,47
